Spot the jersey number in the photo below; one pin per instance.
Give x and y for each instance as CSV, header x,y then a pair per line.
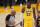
x,y
28,14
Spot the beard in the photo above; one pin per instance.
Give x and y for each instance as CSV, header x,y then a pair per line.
x,y
28,6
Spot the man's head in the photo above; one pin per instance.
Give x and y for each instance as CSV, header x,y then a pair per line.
x,y
38,13
13,12
28,4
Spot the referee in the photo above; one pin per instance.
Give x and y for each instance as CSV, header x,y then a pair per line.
x,y
10,19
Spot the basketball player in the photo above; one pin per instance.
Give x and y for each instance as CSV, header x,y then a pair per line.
x,y
10,4
10,19
28,12
38,19
38,13
38,5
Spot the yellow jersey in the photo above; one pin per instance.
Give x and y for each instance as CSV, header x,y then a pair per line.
x,y
39,7
28,14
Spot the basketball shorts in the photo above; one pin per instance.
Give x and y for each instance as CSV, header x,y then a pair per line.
x,y
28,23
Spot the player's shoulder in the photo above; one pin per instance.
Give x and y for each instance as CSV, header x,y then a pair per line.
x,y
33,8
8,15
23,8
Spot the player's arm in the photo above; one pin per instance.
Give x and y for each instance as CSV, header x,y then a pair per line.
x,y
34,13
21,15
7,22
37,5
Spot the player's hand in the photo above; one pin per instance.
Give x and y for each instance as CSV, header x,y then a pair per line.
x,y
21,24
13,23
35,23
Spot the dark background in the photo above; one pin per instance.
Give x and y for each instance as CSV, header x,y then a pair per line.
x,y
18,2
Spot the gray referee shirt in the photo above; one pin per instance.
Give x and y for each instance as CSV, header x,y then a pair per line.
x,y
10,19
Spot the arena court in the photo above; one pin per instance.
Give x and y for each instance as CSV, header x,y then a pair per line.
x,y
4,13
3,16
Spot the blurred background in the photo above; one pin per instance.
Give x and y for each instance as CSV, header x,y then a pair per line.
x,y
17,2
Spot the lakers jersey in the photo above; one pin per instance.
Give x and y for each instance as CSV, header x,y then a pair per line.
x,y
38,22
39,7
28,14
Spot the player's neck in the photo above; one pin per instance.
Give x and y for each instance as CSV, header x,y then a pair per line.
x,y
12,15
28,7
